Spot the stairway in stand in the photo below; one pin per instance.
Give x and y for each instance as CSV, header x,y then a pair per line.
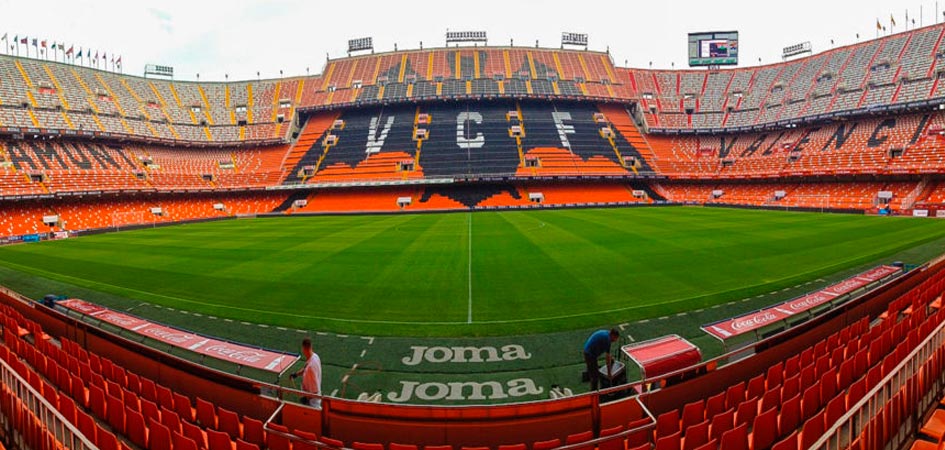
x,y
315,127
622,122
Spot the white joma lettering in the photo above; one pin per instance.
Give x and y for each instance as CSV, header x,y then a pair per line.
x,y
463,391
440,355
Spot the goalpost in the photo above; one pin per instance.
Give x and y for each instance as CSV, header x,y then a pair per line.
x,y
131,218
813,201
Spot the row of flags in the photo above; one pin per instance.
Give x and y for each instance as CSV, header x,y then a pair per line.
x,y
57,51
892,23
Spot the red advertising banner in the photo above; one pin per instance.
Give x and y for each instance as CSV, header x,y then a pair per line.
x,y
222,350
759,319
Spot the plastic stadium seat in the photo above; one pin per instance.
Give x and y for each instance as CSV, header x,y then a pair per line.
x,y
368,446
461,448
746,412
771,399
165,398
243,445
501,447
159,436
641,447
711,445
836,408
924,445
612,444
736,438
813,430
790,417
183,407
696,435
67,408
170,419
182,442
546,445
810,403
149,390
97,402
218,440
734,395
206,413
791,387
396,446
116,414
135,428
756,387
670,442
764,430
693,413
79,393
106,440
667,423
437,447
774,377
934,427
150,410
577,438
253,432
788,443
721,423
329,441
194,432
277,442
714,405
639,437
229,422
305,445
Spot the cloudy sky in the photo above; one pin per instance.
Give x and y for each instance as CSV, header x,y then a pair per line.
x,y
240,37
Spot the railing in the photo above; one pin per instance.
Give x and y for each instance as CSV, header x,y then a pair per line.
x,y
851,426
60,428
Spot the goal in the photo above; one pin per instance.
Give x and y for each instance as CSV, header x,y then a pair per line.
x,y
814,201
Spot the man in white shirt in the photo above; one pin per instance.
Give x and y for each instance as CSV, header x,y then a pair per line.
x,y
311,375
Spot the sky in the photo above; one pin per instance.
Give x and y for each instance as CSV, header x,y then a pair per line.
x,y
238,38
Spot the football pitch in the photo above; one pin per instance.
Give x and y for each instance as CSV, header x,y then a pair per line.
x,y
468,274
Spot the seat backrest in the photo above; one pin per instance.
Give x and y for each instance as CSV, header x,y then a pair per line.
x,y
764,430
788,443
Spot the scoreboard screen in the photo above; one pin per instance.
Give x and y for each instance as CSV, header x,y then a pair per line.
x,y
713,49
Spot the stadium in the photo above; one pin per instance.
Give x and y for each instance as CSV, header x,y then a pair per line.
x,y
447,225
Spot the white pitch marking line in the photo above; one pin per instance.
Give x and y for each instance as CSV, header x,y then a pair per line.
x,y
624,326
630,336
363,352
282,328
369,339
469,271
321,333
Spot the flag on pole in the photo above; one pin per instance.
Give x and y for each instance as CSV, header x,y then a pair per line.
x,y
4,37
71,49
879,26
892,20
25,40
35,42
43,43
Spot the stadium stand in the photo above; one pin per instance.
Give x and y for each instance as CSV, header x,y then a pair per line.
x,y
815,382
856,128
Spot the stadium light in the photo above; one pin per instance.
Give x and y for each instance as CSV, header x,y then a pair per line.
x,y
360,45
574,39
475,37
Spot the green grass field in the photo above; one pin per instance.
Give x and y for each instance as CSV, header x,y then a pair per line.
x,y
489,273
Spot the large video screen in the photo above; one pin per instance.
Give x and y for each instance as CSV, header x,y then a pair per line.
x,y
713,49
